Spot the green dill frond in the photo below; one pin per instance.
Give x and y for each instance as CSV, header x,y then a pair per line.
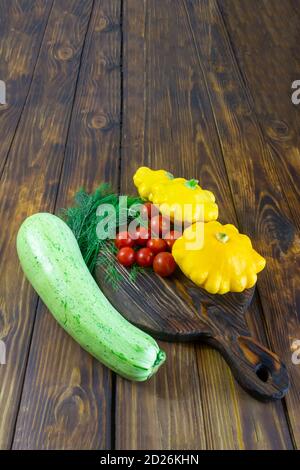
x,y
82,218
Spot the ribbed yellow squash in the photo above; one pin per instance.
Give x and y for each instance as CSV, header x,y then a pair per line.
x,y
177,198
223,260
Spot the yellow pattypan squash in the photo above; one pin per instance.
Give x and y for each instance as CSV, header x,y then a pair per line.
x,y
217,257
145,179
177,198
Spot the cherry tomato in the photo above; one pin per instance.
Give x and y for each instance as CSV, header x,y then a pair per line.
x,y
164,264
171,237
123,239
157,245
140,236
148,210
144,257
126,256
159,225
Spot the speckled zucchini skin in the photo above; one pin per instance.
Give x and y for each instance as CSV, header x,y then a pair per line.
x,y
52,262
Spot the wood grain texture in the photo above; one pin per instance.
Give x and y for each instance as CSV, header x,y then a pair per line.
x,y
258,197
66,401
159,414
22,26
267,49
186,108
168,123
29,184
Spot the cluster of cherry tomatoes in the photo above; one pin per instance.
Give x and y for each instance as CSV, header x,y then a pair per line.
x,y
145,246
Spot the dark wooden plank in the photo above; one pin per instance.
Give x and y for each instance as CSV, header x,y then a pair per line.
x,y
22,26
30,182
166,412
168,123
160,413
261,208
267,48
66,400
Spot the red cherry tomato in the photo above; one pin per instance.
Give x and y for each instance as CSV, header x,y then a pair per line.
x,y
144,257
164,264
159,225
171,237
157,245
149,210
123,239
140,236
126,256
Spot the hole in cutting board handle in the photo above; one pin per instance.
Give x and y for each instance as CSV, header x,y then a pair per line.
x,y
263,373
259,370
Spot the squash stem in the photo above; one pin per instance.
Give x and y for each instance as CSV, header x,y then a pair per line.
x,y
222,237
160,359
192,184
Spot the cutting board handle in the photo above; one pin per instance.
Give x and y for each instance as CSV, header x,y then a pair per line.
x,y
257,369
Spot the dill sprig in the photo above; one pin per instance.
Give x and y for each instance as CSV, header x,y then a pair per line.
x,y
82,218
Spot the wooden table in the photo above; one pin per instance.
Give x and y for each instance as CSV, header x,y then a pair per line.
x,y
201,88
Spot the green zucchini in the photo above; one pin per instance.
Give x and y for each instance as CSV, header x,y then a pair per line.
x,y
52,262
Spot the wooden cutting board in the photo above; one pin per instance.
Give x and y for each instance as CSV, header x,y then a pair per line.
x,y
175,309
